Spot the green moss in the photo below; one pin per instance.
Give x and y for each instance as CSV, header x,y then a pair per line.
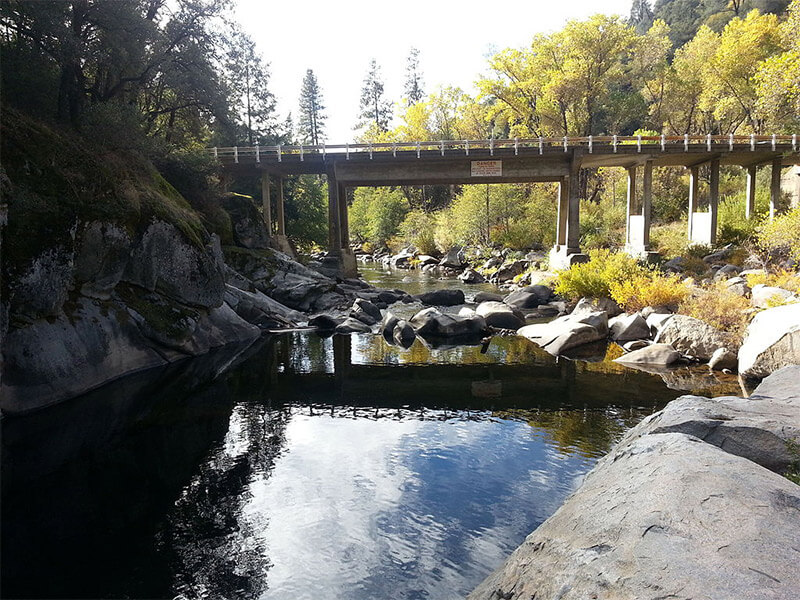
x,y
169,318
246,261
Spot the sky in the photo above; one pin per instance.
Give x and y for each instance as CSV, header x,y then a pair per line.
x,y
338,39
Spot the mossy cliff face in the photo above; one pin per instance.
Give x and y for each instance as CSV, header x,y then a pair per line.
x,y
108,270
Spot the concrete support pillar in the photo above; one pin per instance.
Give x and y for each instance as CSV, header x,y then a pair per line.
x,y
334,231
266,205
344,225
563,211
713,199
694,183
631,205
647,202
750,202
280,219
574,215
775,187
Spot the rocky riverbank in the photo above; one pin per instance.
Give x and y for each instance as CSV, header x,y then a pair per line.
x,y
691,503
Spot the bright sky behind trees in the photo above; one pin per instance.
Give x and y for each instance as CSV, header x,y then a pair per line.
x,y
338,39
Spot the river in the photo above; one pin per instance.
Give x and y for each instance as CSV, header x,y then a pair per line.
x,y
338,468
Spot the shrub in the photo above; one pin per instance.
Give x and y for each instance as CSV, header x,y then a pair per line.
x,y
649,289
594,278
418,229
782,235
788,280
720,308
602,224
670,240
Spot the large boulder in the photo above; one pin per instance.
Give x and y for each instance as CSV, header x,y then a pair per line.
x,y
403,334
487,297
508,271
772,341
625,328
663,516
568,331
365,311
597,304
442,298
432,323
471,276
453,259
531,296
501,315
352,325
692,337
387,324
764,295
660,355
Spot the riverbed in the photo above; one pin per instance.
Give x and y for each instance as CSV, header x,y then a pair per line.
x,y
310,467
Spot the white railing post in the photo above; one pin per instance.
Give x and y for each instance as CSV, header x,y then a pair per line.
x,y
301,153
466,147
280,157
565,143
516,146
347,151
324,152
491,146
590,144
773,142
663,142
442,147
638,143
685,142
730,142
258,154
752,142
541,145
708,142
370,150
236,154
394,149
614,142
216,155
417,149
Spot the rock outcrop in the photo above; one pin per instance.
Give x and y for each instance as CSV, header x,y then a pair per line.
x,y
772,341
432,323
685,506
568,331
692,337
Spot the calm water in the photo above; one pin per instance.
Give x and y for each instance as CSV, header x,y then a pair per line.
x,y
310,468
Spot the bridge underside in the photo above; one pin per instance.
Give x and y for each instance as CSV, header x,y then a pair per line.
x,y
508,165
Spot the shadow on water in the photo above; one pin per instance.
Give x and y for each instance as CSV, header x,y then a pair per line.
x,y
310,468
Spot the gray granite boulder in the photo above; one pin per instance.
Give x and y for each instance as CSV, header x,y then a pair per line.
x,y
365,311
442,298
597,304
471,276
403,334
531,296
625,328
501,315
692,337
432,323
762,295
487,297
772,341
664,516
353,325
654,354
723,359
569,331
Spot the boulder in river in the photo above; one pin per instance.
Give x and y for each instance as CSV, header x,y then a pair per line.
x,y
772,341
596,304
403,334
442,298
365,311
487,297
431,322
387,325
501,315
568,331
352,325
625,328
692,336
529,297
453,259
471,276
653,354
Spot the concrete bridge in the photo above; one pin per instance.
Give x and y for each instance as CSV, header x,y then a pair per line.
x,y
557,160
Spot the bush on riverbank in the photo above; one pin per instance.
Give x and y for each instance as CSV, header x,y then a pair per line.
x,y
593,279
721,308
782,235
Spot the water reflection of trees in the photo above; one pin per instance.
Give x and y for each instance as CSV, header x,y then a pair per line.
x,y
213,546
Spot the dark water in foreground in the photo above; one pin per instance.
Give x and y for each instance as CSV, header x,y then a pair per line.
x,y
312,468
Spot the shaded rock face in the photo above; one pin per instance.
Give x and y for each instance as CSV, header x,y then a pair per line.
x,y
772,341
692,336
654,354
249,230
442,298
500,315
625,328
531,296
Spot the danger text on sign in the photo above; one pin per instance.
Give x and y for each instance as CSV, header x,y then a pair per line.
x,y
487,168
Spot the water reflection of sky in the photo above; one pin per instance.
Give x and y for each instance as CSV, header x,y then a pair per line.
x,y
361,508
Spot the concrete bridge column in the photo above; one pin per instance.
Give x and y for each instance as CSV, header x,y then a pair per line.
x,y
280,218
631,206
334,230
775,187
647,203
567,249
266,205
750,201
694,188
703,225
637,242
574,214
340,257
563,211
713,201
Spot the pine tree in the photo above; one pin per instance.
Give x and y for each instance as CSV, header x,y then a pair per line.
x,y
312,117
375,109
413,88
641,18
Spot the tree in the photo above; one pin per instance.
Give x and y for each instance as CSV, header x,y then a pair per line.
x,y
641,18
413,86
778,78
376,111
312,117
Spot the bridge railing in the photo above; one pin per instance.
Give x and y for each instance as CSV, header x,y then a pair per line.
x,y
710,143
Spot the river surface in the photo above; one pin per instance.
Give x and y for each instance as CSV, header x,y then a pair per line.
x,y
310,468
